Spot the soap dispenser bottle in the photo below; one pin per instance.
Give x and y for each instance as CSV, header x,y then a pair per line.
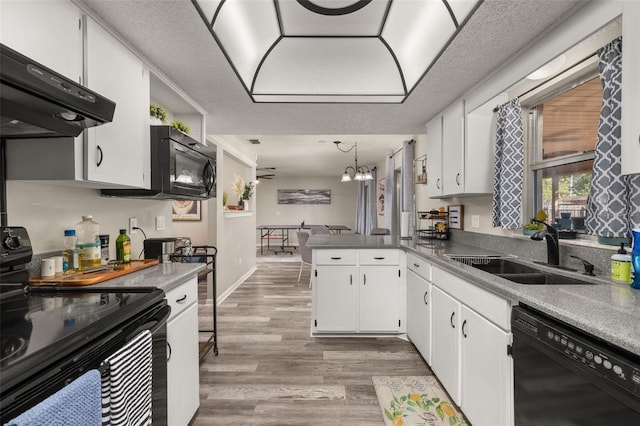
x,y
621,266
635,258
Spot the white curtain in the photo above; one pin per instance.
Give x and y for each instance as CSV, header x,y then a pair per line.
x,y
389,193
407,187
361,212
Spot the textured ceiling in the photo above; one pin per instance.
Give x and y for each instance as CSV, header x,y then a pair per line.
x,y
171,34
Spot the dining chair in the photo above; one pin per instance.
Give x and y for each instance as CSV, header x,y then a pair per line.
x,y
380,231
305,253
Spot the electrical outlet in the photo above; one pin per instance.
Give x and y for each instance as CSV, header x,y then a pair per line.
x,y
160,225
133,223
475,221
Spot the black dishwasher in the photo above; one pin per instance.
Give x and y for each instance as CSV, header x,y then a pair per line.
x,y
564,376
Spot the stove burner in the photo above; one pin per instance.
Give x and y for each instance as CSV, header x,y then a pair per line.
x,y
11,346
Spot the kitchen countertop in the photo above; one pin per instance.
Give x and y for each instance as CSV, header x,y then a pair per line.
x,y
165,276
606,310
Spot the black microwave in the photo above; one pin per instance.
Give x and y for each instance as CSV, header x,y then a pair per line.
x,y
181,168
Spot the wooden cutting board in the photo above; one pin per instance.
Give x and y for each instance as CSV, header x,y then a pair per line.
x,y
79,279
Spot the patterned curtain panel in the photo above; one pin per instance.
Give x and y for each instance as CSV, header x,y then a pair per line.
x,y
361,211
389,193
372,199
509,167
408,182
613,205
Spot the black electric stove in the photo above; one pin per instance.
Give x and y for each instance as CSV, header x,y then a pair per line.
x,y
51,335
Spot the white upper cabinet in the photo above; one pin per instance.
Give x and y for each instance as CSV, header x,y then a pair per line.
x,y
117,152
434,157
631,87
453,150
48,32
480,147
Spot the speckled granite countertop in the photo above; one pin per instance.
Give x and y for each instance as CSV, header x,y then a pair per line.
x,y
607,310
165,276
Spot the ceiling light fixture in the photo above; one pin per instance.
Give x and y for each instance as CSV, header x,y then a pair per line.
x,y
347,51
359,172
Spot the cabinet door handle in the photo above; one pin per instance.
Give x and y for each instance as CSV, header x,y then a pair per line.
x,y
458,179
182,299
426,293
336,258
168,351
451,319
438,183
364,276
416,265
350,279
379,258
100,156
463,324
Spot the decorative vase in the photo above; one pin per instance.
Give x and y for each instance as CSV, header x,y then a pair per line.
x,y
245,205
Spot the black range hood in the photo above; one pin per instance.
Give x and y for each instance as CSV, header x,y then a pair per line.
x,y
35,101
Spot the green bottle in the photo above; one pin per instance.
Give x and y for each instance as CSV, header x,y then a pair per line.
x,y
123,247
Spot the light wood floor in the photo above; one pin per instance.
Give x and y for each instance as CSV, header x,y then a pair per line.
x,y
271,372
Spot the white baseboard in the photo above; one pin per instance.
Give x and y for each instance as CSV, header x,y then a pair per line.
x,y
235,285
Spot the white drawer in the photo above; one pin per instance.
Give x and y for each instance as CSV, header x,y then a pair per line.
x,y
419,266
379,257
182,296
336,257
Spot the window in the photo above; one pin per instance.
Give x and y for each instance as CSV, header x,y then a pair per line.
x,y
565,129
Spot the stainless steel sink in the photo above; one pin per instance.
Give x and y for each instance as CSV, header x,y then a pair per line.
x,y
517,272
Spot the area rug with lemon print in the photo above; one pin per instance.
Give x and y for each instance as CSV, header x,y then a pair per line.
x,y
415,401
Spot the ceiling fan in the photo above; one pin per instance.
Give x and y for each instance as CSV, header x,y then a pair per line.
x,y
265,172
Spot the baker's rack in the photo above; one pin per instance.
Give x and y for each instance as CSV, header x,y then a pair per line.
x,y
436,228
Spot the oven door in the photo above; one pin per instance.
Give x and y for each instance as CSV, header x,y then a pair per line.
x,y
191,174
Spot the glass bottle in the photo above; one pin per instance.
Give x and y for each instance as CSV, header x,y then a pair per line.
x,y
70,263
123,247
88,244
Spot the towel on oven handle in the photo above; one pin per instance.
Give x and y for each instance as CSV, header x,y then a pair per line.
x,y
126,384
77,404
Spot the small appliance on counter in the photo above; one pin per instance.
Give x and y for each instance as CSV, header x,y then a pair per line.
x,y
164,248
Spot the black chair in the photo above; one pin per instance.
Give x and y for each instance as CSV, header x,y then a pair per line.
x,y
380,231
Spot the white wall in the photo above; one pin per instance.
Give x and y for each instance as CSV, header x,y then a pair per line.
x,y
341,211
47,210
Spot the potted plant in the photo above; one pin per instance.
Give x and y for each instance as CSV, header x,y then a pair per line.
x,y
182,126
158,114
246,194
237,187
534,227
224,198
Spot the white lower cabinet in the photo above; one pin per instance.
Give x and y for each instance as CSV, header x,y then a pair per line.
x,y
470,338
486,371
445,341
357,291
336,299
419,313
379,299
183,377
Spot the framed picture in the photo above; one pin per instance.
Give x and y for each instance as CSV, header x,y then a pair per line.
x,y
380,200
304,196
186,210
456,217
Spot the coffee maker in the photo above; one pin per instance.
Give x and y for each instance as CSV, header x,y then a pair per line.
x,y
164,248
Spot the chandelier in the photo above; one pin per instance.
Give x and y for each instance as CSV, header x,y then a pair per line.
x,y
354,172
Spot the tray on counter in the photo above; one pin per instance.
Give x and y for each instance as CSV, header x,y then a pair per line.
x,y
95,277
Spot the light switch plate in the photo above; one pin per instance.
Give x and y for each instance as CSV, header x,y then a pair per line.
x,y
475,221
160,224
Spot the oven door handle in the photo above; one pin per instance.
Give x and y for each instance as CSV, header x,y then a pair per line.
x,y
159,319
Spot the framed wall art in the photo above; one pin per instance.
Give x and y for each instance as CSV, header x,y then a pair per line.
x,y
304,196
186,210
380,199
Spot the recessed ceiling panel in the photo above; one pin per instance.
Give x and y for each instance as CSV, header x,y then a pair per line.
x,y
246,29
299,21
462,8
329,99
209,8
329,66
416,31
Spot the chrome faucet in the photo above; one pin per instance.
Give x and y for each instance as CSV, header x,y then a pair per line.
x,y
553,245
